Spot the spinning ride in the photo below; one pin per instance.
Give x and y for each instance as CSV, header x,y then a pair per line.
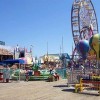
x,y
83,21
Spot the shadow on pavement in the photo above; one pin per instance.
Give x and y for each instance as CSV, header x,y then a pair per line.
x,y
92,94
60,86
72,90
69,90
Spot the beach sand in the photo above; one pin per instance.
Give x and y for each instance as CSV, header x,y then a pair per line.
x,y
42,90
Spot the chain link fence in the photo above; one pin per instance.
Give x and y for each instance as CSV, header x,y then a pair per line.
x,y
74,76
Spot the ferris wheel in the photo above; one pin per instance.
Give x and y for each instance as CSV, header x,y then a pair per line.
x,y
83,20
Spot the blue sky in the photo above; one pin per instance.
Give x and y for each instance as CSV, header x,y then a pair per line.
x,y
36,22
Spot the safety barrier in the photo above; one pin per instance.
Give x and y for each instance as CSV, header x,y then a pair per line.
x,y
93,83
62,73
74,76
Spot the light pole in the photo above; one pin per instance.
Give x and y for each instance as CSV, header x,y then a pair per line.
x,y
31,51
47,56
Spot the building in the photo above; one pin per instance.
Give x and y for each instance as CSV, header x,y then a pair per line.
x,y
54,59
23,53
9,52
6,52
50,58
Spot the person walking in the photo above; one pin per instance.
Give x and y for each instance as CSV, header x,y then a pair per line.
x,y
27,75
6,73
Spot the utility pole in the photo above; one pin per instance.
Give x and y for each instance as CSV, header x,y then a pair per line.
x,y
47,56
60,50
31,50
62,46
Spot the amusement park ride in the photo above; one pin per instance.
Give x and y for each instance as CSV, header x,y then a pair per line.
x,y
87,43
84,28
